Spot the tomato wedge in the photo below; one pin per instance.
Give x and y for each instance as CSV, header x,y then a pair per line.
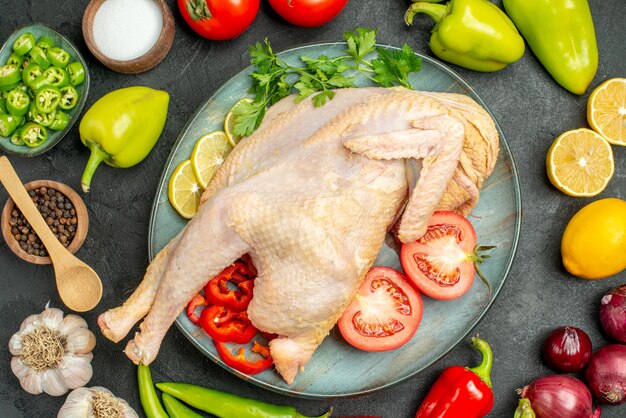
x,y
384,314
442,262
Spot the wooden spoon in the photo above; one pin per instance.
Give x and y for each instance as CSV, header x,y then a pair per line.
x,y
79,286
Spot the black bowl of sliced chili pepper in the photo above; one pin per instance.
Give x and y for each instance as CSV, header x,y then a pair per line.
x,y
62,209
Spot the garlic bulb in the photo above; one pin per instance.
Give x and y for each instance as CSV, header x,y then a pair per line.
x,y
95,402
52,354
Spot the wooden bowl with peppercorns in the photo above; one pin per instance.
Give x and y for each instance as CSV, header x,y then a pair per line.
x,y
61,208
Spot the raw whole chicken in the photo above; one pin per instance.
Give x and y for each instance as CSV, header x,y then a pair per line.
x,y
311,196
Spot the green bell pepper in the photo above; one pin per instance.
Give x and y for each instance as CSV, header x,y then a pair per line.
x,y
474,34
562,36
122,127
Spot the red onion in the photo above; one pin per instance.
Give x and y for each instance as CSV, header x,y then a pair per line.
x,y
567,349
606,374
560,396
613,313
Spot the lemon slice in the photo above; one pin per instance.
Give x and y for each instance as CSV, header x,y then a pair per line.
x,y
184,191
606,110
229,122
580,163
208,154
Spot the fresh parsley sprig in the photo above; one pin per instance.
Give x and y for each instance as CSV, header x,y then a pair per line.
x,y
274,79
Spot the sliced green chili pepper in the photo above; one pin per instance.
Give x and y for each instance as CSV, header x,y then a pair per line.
x,y
227,405
3,106
47,98
30,73
58,57
76,72
45,42
148,396
69,98
39,57
61,119
15,138
15,59
39,83
17,102
176,409
57,77
24,43
10,74
4,90
42,118
33,134
8,124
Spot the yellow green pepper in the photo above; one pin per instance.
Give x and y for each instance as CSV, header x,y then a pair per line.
x,y
562,36
122,127
474,34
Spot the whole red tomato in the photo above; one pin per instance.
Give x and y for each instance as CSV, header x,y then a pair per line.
x,y
219,20
308,13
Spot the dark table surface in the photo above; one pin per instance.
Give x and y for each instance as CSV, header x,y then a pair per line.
x,y
531,108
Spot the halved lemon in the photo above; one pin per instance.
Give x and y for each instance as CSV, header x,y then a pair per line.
x,y
208,154
606,110
229,122
184,191
580,163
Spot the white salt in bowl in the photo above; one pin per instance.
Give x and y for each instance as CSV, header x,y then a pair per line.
x,y
121,45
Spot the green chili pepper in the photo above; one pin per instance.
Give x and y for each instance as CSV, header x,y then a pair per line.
x,y
47,98
562,36
10,74
30,73
8,124
61,119
58,57
17,102
45,42
42,118
33,134
76,72
148,396
474,34
176,409
69,98
4,90
227,405
16,137
24,43
57,77
38,56
15,59
3,106
122,127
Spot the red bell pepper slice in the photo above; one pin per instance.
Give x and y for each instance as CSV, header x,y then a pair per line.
x,y
193,304
218,293
226,325
238,360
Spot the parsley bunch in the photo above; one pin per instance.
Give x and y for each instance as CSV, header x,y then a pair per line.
x,y
274,79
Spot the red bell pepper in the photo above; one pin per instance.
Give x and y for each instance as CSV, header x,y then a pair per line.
x,y
193,304
240,362
217,291
461,392
227,326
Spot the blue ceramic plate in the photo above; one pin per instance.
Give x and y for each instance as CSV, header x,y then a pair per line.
x,y
337,369
39,29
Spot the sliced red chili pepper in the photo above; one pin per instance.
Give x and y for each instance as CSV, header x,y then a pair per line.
x,y
193,304
226,325
218,292
239,361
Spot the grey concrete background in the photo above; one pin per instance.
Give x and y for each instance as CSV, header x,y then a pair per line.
x,y
531,108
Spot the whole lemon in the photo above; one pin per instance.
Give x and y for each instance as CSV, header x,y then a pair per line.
x,y
594,242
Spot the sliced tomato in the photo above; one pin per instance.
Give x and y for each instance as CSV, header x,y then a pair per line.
x,y
384,314
440,263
